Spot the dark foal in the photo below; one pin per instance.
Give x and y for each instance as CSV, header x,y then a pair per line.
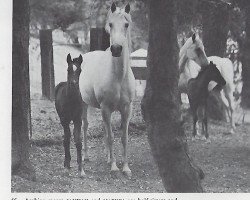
x,y
68,102
198,94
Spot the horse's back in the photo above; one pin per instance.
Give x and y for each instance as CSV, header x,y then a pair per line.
x,y
225,67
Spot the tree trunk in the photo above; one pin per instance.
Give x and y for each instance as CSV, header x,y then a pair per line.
x,y
161,107
245,101
21,91
215,28
215,18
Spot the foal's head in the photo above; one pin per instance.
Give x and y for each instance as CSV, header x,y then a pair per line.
x,y
118,26
215,75
74,70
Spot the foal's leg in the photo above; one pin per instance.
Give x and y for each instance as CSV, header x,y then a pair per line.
x,y
66,144
201,116
195,119
78,142
205,121
125,116
85,130
106,115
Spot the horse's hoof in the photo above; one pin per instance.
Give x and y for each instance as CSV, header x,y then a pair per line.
x,y
66,171
114,167
82,174
203,138
114,174
232,131
67,166
128,174
208,141
237,124
108,160
126,171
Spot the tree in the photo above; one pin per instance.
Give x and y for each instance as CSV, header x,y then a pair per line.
x,y
160,105
215,27
215,18
20,91
245,101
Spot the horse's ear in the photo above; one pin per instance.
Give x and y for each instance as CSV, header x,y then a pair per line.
x,y
69,58
80,58
127,8
193,37
113,7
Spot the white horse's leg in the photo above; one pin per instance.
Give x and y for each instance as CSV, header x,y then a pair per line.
x,y
106,116
125,117
85,130
229,97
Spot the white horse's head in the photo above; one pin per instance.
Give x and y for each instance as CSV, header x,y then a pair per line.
x,y
194,50
118,26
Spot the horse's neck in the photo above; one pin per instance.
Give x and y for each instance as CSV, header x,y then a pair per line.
x,y
182,63
121,64
204,62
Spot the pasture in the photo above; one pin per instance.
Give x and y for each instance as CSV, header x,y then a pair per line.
x,y
225,161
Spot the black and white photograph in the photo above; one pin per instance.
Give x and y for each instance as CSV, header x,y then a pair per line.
x,y
127,96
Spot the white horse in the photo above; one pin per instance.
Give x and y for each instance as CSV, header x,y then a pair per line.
x,y
192,58
107,82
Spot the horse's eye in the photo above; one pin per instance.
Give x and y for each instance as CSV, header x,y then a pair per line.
x,y
126,25
110,25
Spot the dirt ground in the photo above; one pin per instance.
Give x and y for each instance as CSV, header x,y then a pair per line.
x,y
225,161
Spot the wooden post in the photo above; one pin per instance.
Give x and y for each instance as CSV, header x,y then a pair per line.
x,y
99,39
47,72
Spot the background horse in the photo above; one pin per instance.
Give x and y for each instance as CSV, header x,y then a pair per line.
x,y
108,83
198,94
192,57
68,104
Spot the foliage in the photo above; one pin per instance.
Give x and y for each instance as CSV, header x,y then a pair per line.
x,y
63,13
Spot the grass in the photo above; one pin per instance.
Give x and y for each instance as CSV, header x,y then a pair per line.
x,y
225,161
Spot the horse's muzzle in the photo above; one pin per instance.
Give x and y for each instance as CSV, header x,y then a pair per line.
x,y
116,50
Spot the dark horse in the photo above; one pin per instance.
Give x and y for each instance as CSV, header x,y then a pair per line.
x,y
198,94
68,102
